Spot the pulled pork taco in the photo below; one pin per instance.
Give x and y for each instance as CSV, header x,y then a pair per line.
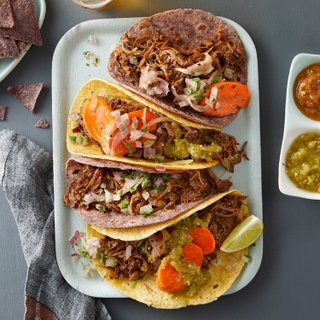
x,y
188,62
108,194
106,121
180,265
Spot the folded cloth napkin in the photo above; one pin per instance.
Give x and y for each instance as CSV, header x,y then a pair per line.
x,y
26,175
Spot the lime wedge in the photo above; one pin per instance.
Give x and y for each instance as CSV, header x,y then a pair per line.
x,y
243,235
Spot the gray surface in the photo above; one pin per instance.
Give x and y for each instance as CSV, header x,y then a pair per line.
x,y
286,287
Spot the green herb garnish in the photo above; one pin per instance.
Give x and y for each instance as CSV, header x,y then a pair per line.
x,y
131,149
72,138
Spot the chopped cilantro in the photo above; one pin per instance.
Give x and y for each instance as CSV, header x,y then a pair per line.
x,y
135,49
87,64
235,97
146,141
120,192
140,243
72,138
199,97
148,214
146,129
133,282
131,149
217,260
123,205
165,177
86,52
158,160
216,79
247,256
213,100
196,79
253,245
179,81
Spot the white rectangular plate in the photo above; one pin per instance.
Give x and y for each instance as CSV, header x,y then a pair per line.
x,y
69,73
8,64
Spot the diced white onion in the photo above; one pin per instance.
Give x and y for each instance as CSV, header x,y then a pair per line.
x,y
145,194
146,209
232,258
92,39
128,251
245,259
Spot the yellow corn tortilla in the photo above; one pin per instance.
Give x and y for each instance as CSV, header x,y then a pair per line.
x,y
146,290
93,150
138,233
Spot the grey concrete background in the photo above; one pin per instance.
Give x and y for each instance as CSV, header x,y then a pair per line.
x,y
287,284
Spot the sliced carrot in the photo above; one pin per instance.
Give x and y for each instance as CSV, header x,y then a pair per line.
x,y
192,253
169,279
203,238
230,97
96,114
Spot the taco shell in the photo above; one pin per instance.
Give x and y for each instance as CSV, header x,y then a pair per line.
x,y
146,290
93,150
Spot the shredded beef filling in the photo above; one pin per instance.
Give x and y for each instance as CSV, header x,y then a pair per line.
x,y
137,265
163,56
226,215
189,187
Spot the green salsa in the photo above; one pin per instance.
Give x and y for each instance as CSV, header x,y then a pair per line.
x,y
182,148
193,277
302,164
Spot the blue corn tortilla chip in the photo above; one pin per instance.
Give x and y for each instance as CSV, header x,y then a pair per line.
x,y
27,94
2,112
42,124
21,46
6,16
26,27
8,48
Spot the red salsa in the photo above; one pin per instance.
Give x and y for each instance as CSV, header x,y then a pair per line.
x,y
306,91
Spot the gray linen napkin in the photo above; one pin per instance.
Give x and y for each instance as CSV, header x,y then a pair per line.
x,y
26,176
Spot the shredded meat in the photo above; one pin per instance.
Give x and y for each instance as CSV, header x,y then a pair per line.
x,y
189,187
132,268
225,215
164,55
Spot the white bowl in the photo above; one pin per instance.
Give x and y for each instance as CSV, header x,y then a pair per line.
x,y
295,124
93,4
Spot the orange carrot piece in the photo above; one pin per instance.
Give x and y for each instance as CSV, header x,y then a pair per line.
x,y
203,238
96,114
169,279
192,253
230,97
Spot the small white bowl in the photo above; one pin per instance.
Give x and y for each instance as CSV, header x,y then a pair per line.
x,y
295,124
93,4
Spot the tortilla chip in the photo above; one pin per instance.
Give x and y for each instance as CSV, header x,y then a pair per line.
x,y
42,124
138,233
8,48
27,94
194,27
93,150
6,16
2,112
26,27
146,290
21,46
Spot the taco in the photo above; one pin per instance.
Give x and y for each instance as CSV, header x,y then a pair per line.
x,y
180,265
106,121
118,195
188,62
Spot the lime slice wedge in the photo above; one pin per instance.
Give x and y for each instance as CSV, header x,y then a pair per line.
x,y
243,235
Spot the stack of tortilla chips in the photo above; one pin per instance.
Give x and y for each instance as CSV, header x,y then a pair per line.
x,y
18,26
